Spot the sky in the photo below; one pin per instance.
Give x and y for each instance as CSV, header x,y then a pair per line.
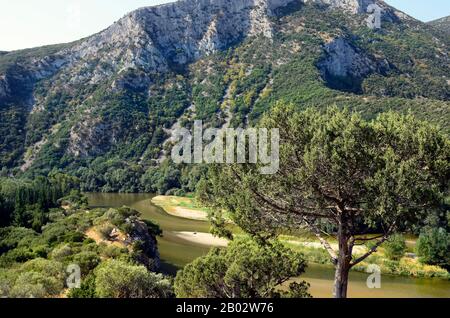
x,y
31,23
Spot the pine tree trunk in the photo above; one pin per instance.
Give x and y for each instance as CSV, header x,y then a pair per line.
x,y
341,278
343,262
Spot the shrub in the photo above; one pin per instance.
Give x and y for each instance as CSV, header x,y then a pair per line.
x,y
433,247
395,247
41,251
126,212
87,261
118,279
62,252
111,251
45,267
105,231
153,228
245,269
311,254
39,285
74,237
7,278
18,255
127,228
10,237
86,290
28,291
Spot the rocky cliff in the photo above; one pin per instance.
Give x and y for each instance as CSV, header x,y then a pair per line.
x,y
156,39
103,107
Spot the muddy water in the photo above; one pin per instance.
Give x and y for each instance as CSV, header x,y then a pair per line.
x,y
176,252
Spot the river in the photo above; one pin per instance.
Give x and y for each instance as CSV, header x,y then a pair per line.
x,y
175,253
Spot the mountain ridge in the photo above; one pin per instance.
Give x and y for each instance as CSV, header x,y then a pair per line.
x,y
442,24
105,106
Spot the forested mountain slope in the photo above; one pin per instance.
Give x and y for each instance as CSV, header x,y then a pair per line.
x,y
442,24
103,108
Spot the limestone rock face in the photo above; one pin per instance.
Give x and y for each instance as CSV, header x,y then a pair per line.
x,y
4,87
344,60
353,6
183,31
79,88
156,39
148,243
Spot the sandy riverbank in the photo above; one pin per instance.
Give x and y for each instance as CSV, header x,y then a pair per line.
x,y
202,238
357,249
171,205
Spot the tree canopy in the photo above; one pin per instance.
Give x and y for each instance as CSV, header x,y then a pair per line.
x,y
337,169
117,279
245,269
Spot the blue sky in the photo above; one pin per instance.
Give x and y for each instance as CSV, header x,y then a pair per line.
x,y
30,23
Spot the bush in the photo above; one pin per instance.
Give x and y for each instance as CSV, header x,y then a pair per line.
x,y
153,228
105,231
395,247
87,261
118,279
28,291
36,285
18,255
74,237
112,251
7,277
127,212
245,269
61,253
45,267
433,248
41,251
86,290
10,237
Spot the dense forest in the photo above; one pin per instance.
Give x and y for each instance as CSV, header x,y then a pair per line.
x,y
28,203
47,230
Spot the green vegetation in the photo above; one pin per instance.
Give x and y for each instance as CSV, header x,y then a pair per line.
x,y
433,247
442,25
181,207
103,243
395,247
246,80
353,174
28,203
117,279
348,176
8,59
403,267
245,269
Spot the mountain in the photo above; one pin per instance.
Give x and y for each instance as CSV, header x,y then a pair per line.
x,y
442,24
103,108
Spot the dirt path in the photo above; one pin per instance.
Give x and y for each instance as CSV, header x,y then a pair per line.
x,y
94,235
